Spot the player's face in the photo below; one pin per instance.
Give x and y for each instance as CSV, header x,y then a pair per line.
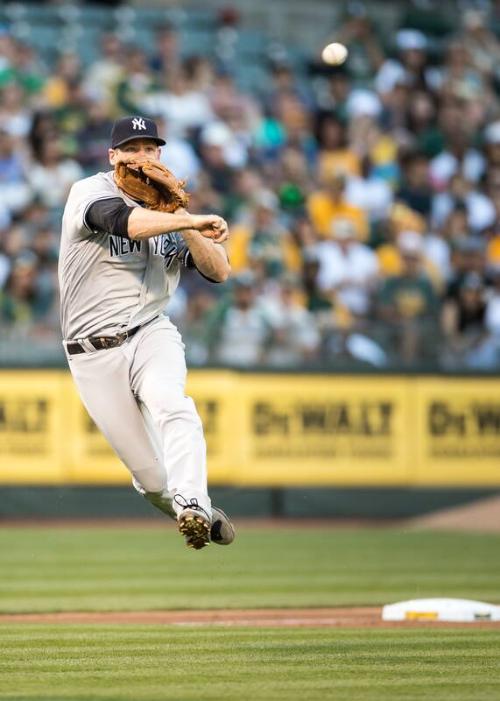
x,y
135,150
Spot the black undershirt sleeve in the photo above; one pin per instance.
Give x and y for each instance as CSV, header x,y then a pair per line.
x,y
108,216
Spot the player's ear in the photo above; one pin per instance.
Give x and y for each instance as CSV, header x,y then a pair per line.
x,y
112,156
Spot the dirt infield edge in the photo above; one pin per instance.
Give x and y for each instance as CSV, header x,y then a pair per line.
x,y
361,617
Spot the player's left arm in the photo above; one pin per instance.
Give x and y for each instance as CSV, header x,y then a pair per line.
x,y
209,257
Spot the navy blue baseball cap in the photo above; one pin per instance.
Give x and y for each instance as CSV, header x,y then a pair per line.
x,y
129,128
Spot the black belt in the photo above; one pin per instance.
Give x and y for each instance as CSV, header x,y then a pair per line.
x,y
102,342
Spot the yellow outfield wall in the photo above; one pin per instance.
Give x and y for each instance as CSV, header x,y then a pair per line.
x,y
274,430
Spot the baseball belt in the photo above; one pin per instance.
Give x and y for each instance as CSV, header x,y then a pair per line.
x,y
102,342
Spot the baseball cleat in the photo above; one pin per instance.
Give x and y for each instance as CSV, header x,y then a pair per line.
x,y
193,523
222,530
194,528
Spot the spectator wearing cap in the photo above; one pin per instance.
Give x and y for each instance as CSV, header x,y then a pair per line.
x,y
410,66
348,269
408,305
233,150
401,218
435,254
329,204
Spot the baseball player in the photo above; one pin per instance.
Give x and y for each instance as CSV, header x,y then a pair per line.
x,y
119,265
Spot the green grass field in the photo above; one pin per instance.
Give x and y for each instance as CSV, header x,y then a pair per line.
x,y
153,664
138,568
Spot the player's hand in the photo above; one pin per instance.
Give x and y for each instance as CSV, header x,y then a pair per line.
x,y
222,235
211,226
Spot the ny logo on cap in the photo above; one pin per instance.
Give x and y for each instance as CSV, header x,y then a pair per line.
x,y
138,123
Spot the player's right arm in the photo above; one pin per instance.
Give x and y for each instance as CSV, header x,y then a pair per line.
x,y
114,216
146,223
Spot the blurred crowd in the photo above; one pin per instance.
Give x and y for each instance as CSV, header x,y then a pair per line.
x,y
363,201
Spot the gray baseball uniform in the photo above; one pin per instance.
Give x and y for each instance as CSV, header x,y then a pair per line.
x,y
110,283
134,392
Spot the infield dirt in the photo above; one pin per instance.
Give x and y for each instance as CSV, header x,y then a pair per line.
x,y
361,617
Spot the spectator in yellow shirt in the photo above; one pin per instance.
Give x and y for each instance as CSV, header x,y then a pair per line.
x,y
329,204
263,242
401,221
334,151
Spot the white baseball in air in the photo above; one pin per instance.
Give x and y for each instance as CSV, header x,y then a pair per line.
x,y
334,54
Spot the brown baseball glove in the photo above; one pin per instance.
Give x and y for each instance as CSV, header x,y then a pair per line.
x,y
152,184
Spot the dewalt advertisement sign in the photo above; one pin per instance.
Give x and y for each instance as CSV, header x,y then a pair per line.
x,y
459,431
317,430
32,441
274,430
